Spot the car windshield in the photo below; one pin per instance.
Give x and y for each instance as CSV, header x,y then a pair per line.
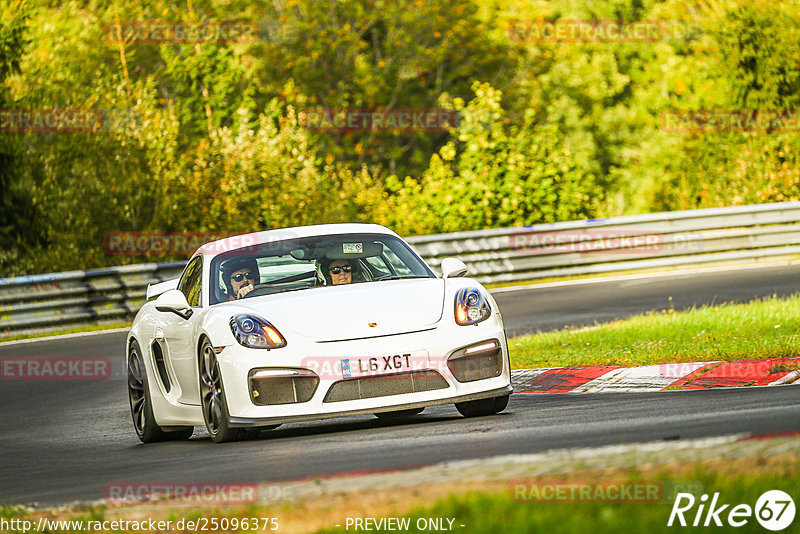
x,y
305,263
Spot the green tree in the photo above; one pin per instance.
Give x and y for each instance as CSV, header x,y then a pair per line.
x,y
492,175
382,54
18,215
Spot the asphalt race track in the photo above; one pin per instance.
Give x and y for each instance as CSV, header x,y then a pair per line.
x,y
64,441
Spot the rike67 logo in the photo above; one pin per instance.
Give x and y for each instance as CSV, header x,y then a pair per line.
x,y
774,510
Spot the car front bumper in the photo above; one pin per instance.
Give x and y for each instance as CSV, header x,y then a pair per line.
x,y
430,348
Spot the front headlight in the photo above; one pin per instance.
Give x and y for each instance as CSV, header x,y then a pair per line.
x,y
256,333
471,307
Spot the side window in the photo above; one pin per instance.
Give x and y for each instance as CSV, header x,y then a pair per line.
x,y
191,281
396,262
379,265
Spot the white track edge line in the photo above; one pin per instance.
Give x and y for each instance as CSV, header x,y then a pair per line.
x,y
640,276
64,336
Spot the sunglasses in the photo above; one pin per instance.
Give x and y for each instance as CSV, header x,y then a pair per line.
x,y
239,277
337,270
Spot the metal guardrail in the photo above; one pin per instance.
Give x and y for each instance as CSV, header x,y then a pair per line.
x,y
681,238
639,242
46,302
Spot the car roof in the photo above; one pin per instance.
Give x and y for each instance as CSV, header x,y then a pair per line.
x,y
220,246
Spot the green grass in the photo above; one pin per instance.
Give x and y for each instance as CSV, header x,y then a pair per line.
x,y
500,512
11,511
765,328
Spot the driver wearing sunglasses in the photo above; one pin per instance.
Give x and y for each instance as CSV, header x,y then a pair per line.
x,y
242,282
240,277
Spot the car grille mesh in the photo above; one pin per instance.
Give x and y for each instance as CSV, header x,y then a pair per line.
x,y
282,390
477,366
385,385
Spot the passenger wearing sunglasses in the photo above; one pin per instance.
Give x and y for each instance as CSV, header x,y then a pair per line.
x,y
338,272
240,276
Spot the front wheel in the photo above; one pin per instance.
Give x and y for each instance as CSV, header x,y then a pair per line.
x,y
144,422
212,398
481,407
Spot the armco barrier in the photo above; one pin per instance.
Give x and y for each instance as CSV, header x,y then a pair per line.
x,y
47,302
682,238
660,240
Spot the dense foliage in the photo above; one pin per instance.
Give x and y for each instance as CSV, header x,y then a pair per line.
x,y
209,135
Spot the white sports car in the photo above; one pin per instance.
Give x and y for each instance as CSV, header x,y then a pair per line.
x,y
309,323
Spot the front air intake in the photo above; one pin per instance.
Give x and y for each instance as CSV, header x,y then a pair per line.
x,y
282,386
477,362
385,385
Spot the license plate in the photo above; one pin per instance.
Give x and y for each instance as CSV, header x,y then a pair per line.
x,y
381,365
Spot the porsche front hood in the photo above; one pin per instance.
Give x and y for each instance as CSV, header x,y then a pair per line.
x,y
355,311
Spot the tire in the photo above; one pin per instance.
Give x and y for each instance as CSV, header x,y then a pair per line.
x,y
212,398
399,414
144,422
481,407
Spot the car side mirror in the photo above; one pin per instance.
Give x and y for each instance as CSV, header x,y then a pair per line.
x,y
174,301
453,268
